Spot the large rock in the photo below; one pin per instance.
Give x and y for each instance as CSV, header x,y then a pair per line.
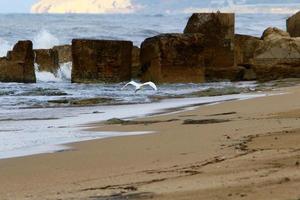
x,y
18,66
273,33
278,57
101,61
47,60
218,29
64,53
173,58
216,25
228,73
245,47
136,64
293,25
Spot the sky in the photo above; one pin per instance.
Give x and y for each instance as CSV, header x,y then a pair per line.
x,y
23,6
16,6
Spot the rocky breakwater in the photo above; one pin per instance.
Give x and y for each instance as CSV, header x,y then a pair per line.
x,y
136,64
18,65
245,47
47,60
64,53
173,58
97,61
278,56
218,30
293,25
275,55
204,52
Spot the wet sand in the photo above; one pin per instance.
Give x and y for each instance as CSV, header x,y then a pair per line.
x,y
246,149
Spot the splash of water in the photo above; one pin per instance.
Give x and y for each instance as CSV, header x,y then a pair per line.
x,y
63,74
44,40
5,47
64,71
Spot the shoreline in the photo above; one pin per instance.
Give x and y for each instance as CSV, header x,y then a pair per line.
x,y
163,107
239,157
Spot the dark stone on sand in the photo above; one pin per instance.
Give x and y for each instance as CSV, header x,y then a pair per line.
x,y
83,102
115,121
98,61
205,121
18,66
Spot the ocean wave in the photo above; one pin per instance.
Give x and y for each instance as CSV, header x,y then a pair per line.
x,y
4,47
63,74
44,40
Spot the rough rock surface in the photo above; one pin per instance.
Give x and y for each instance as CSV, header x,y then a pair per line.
x,y
64,53
136,64
173,58
293,25
218,30
245,47
278,57
218,25
47,60
275,55
228,73
101,61
18,66
273,33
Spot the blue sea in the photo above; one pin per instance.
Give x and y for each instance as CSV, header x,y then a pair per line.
x,y
33,121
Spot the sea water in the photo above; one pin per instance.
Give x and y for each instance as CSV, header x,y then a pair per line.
x,y
31,119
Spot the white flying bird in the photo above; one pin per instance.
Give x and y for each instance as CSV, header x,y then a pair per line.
x,y
139,86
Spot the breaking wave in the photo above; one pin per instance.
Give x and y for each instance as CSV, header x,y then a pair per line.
x,y
44,40
4,47
63,74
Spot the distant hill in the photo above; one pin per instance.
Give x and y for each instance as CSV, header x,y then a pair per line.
x,y
83,6
164,6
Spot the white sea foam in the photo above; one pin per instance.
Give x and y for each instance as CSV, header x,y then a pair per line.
x,y
64,71
4,47
45,40
27,135
63,74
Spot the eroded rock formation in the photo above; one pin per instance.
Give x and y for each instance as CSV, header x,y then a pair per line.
x,y
276,55
136,64
293,25
173,58
47,60
18,66
64,53
218,30
101,61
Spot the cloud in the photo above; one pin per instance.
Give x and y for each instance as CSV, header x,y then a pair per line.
x,y
83,6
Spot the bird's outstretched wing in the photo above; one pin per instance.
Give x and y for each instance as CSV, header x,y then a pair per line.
x,y
131,83
151,84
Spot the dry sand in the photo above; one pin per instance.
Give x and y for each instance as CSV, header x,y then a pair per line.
x,y
235,150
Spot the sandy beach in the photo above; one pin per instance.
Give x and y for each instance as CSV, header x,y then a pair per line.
x,y
246,149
